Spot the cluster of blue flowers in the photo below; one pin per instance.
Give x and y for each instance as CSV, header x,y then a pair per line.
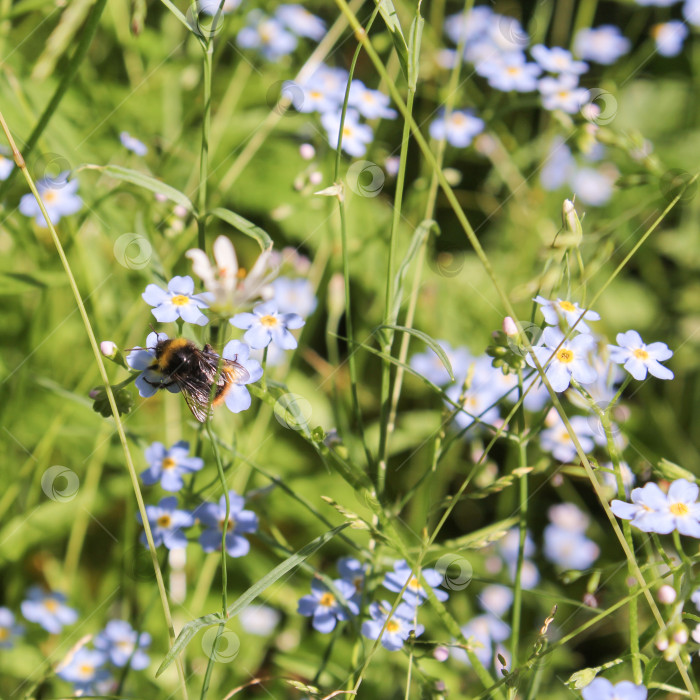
x,y
118,644
323,92
273,37
593,185
496,45
228,288
327,605
168,522
581,357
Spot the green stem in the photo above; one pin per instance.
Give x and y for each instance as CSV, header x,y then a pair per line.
x,y
204,154
352,365
523,495
389,301
19,160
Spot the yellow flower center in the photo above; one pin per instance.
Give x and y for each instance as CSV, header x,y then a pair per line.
x,y
641,354
357,581
50,196
347,131
563,93
4,634
564,436
315,94
180,300
268,321
512,70
392,626
414,583
265,32
565,355
230,526
51,605
327,600
567,305
241,273
679,509
458,119
169,463
164,521
86,670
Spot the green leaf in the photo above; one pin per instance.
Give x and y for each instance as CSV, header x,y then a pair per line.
x,y
193,626
20,282
430,342
414,37
140,179
419,237
244,226
391,19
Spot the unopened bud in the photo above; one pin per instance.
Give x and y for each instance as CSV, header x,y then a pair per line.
x,y
316,177
661,642
441,653
180,211
571,221
307,151
509,327
591,111
666,594
680,634
108,348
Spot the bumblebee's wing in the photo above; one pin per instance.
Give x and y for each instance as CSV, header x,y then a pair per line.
x,y
236,372
196,395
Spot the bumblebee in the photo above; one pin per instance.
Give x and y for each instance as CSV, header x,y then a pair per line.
x,y
194,371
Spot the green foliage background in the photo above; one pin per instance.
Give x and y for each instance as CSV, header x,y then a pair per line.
x,y
150,85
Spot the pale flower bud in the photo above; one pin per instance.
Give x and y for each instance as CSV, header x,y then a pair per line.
x,y
666,594
509,327
441,653
307,151
108,348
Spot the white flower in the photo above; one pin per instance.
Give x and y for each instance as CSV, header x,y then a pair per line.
x,y
231,286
